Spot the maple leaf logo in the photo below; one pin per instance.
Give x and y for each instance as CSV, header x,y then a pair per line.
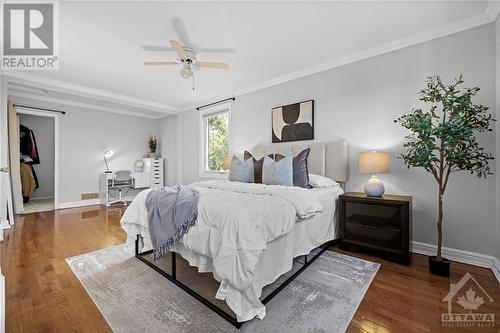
x,y
470,301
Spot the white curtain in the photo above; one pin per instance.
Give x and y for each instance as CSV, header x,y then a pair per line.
x,y
14,160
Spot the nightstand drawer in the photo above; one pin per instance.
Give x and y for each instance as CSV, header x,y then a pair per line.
x,y
377,225
383,215
373,236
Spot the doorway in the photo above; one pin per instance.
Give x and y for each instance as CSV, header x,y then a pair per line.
x,y
38,147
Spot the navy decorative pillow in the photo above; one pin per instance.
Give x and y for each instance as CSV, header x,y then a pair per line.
x,y
300,170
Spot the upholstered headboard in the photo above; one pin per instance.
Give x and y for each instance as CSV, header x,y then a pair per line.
x,y
328,158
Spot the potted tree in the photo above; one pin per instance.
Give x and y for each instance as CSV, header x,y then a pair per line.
x,y
443,141
153,145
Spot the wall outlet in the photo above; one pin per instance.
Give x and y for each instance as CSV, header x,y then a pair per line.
x,y
89,195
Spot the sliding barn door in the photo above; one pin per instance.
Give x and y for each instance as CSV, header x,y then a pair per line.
x,y
4,187
5,190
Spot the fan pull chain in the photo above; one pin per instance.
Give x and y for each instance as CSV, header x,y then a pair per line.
x,y
193,80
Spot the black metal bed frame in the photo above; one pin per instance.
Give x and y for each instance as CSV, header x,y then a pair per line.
x,y
173,278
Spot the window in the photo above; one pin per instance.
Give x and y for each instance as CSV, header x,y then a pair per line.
x,y
215,139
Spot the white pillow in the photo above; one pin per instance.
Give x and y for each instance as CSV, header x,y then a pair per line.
x,y
320,181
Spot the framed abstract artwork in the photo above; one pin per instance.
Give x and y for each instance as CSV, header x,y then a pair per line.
x,y
293,122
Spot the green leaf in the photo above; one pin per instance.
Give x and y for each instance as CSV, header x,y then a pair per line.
x,y
446,135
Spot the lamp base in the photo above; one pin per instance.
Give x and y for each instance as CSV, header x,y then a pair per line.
x,y
374,187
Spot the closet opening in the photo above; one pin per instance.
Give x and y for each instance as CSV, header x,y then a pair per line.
x,y
37,148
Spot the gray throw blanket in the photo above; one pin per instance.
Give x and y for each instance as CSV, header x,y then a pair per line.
x,y
171,212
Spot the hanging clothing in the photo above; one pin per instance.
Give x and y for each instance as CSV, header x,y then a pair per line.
x,y
27,144
28,183
27,160
34,174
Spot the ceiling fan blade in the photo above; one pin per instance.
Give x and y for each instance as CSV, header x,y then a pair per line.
x,y
157,48
215,49
159,63
180,29
216,65
179,49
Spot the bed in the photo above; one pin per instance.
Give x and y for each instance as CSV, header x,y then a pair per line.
x,y
248,235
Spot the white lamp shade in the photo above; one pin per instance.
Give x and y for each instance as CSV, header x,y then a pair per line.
x,y
186,73
227,162
374,163
108,153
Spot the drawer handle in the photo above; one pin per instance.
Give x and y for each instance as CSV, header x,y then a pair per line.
x,y
370,205
374,226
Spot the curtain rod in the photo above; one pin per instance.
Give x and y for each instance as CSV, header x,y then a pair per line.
x,y
221,101
41,109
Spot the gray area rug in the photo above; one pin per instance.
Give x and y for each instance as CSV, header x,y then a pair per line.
x,y
134,298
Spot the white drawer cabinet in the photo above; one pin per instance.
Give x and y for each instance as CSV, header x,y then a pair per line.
x,y
154,166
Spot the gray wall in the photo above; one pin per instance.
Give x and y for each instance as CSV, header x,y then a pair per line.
x,y
43,128
359,102
168,146
85,135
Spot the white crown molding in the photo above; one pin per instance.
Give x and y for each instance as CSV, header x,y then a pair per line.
x,y
465,257
437,32
67,102
48,84
492,9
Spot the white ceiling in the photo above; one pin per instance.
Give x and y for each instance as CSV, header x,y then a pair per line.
x,y
101,43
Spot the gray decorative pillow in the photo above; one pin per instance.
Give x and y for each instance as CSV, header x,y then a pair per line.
x,y
300,171
277,172
241,171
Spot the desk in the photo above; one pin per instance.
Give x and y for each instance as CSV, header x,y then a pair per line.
x,y
151,177
140,180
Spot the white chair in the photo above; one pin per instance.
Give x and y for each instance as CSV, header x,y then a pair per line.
x,y
121,180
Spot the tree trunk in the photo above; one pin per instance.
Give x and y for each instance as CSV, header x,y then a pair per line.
x,y
440,224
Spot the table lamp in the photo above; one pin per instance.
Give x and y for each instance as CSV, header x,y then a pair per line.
x,y
374,163
226,164
108,154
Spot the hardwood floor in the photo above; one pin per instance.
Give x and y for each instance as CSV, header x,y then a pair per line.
x,y
43,295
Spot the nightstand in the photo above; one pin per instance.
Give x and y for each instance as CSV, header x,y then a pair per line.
x,y
381,226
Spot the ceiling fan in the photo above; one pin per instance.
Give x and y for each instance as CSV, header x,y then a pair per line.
x,y
187,59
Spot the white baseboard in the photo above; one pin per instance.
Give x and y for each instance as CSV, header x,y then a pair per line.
x,y
465,257
79,203
2,302
3,225
40,198
496,269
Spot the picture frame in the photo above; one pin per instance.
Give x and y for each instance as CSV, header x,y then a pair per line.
x,y
293,122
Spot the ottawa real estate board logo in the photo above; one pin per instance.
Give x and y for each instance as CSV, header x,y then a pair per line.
x,y
30,33
467,301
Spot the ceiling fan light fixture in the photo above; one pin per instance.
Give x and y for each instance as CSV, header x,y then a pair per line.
x,y
186,73
187,59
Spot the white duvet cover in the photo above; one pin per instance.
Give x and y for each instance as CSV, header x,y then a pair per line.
x,y
235,223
